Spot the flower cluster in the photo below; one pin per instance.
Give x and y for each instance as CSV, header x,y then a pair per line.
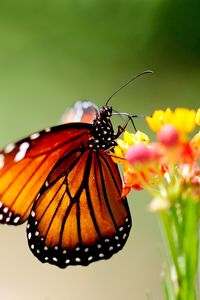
x,y
170,163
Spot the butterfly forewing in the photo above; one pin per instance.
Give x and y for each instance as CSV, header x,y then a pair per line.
x,y
25,166
82,111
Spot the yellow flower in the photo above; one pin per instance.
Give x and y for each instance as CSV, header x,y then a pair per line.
x,y
183,119
135,138
198,117
129,139
159,118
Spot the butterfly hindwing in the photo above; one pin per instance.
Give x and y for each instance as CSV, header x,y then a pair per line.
x,y
80,216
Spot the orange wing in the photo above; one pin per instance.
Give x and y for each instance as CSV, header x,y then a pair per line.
x,y
82,111
24,167
80,216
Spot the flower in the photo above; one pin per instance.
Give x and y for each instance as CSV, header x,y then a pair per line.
x,y
123,145
168,135
198,117
183,119
168,168
138,154
136,148
195,144
169,164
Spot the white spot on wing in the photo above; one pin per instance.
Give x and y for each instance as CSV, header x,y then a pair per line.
x,y
24,146
78,259
67,261
22,151
34,136
16,220
90,258
1,161
5,210
47,129
46,183
9,148
38,195
124,236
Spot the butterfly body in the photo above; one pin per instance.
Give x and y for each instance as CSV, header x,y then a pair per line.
x,y
69,189
103,133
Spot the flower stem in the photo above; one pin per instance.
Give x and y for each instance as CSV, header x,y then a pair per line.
x,y
180,224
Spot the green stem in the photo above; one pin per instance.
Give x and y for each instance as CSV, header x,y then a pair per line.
x,y
190,250
180,225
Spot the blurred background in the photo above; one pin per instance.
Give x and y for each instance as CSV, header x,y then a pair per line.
x,y
55,52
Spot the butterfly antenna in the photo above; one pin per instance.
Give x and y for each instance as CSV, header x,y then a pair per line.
x,y
128,82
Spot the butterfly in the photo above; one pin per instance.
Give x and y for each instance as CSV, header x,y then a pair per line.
x,y
64,183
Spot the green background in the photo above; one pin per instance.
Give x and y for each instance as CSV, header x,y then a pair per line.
x,y
55,52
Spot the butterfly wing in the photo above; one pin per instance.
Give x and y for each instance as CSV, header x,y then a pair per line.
x,y
24,167
82,111
80,216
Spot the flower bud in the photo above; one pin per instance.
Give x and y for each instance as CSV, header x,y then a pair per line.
x,y
168,135
138,154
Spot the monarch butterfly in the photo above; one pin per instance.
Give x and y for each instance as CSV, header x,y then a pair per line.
x,y
64,182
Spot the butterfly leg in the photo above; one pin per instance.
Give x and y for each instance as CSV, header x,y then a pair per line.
x,y
121,129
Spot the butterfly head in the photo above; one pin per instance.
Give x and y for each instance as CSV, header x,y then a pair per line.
x,y
105,112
